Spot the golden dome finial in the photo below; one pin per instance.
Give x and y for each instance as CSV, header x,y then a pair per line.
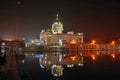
x,y
57,15
57,18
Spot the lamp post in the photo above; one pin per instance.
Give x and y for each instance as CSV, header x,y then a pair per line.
x,y
17,21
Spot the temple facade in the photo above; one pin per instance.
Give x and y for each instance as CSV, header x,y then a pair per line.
x,y
55,35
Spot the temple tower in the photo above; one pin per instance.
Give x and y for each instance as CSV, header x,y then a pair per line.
x,y
57,26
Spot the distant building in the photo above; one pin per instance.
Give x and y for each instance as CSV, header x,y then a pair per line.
x,y
55,35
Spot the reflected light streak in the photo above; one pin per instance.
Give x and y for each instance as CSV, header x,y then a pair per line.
x,y
73,58
113,55
73,42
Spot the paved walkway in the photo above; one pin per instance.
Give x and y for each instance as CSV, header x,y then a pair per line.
x,y
10,68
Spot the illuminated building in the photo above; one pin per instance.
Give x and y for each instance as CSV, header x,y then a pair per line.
x,y
55,35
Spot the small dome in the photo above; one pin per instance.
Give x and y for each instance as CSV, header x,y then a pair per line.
x,y
57,19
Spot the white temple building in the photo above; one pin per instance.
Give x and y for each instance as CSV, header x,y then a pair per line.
x,y
56,36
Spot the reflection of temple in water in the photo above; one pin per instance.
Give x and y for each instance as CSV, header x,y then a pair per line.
x,y
56,61
66,65
57,70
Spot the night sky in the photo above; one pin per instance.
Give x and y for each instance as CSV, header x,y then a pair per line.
x,y
97,19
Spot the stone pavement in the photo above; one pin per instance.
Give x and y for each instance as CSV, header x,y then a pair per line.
x,y
9,71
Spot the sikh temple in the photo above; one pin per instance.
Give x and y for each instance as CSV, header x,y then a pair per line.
x,y
55,35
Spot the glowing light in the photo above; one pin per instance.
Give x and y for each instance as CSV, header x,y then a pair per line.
x,y
56,23
3,44
93,57
80,64
73,42
32,41
93,42
40,56
23,61
70,65
9,39
42,66
113,42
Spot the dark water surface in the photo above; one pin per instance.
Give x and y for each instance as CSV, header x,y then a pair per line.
x,y
90,65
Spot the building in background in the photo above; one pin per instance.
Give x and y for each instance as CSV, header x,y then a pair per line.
x,y
55,35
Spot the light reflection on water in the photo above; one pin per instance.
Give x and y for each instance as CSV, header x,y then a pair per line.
x,y
71,65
